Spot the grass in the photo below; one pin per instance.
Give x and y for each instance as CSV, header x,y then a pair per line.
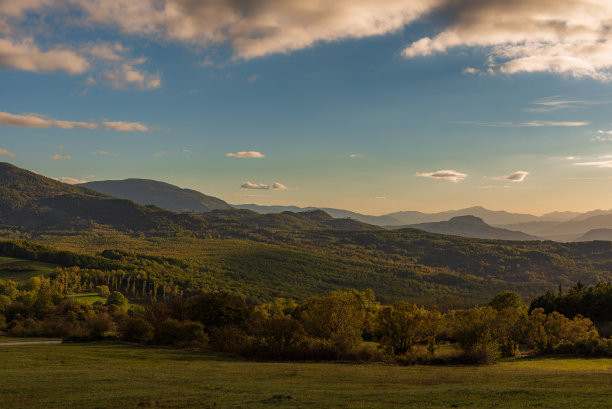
x,y
21,270
121,376
87,298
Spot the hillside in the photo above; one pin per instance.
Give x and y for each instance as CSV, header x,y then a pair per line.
x,y
160,194
34,202
471,226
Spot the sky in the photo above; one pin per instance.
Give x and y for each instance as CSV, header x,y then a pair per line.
x,y
373,106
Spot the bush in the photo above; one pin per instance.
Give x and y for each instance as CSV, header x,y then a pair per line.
x,y
181,334
135,330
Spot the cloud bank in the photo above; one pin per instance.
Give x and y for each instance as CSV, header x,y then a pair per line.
x,y
263,186
4,152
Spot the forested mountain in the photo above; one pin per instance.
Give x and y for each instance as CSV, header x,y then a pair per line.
x,y
471,226
596,234
160,194
336,213
32,201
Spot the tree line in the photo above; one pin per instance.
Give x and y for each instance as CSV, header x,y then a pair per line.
x,y
332,327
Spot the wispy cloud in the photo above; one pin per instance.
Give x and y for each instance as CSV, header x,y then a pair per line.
x,y
61,157
121,126
528,124
450,175
597,164
249,154
70,181
104,153
602,136
255,77
355,155
30,120
556,104
160,154
249,185
518,176
41,121
4,152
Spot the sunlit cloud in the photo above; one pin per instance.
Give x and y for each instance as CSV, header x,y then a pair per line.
x,y
380,197
160,154
4,152
597,164
524,36
450,175
249,154
249,185
41,121
121,126
518,176
355,155
61,157
24,55
602,136
279,186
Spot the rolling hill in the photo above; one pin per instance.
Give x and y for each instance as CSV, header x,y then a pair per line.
x,y
160,194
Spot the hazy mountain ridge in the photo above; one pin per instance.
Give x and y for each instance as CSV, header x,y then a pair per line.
x,y
471,226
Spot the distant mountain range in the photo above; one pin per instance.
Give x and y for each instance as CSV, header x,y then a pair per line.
x,y
33,201
471,226
160,194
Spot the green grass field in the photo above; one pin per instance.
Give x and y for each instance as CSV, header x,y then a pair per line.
x,y
21,270
87,298
120,376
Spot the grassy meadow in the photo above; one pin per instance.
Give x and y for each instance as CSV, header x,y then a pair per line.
x,y
21,270
122,376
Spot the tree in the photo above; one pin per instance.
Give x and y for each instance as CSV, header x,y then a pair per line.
x,y
118,299
135,330
338,318
279,334
507,299
401,327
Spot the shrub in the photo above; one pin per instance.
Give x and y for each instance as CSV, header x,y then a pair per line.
x,y
135,330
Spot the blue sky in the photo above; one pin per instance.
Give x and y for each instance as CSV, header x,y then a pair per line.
x,y
372,106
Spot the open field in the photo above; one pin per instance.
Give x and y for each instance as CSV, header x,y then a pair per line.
x,y
21,270
121,376
87,298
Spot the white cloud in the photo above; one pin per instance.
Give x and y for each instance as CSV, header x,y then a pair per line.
x,y
40,121
249,185
60,157
518,176
4,152
249,154
279,186
160,154
355,155
70,181
121,126
186,151
450,175
523,36
104,153
26,56
572,157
